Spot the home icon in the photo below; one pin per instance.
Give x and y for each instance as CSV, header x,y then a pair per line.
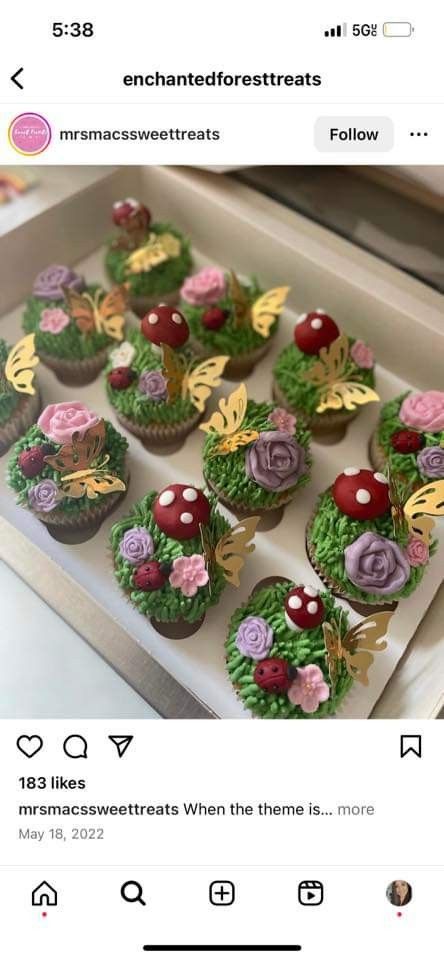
x,y
44,895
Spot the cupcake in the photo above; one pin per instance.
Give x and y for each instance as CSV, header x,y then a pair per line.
x,y
174,554
157,390
74,324
290,654
69,470
366,543
230,317
19,396
324,376
152,259
256,457
409,437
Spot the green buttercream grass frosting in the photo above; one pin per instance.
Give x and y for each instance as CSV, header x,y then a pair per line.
x,y
228,473
70,343
300,648
302,396
115,446
9,398
137,406
163,279
168,603
230,340
404,464
333,531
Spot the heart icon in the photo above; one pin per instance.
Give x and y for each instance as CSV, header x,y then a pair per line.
x,y
30,745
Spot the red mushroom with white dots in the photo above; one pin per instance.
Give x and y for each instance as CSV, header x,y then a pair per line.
x,y
361,494
165,324
315,330
304,609
124,211
179,510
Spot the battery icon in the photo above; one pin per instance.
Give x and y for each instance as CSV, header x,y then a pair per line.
x,y
400,29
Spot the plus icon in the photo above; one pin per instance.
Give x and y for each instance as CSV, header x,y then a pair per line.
x,y
222,893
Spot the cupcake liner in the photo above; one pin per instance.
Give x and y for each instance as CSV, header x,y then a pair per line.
x,y
61,525
376,453
161,435
238,367
329,426
76,373
23,417
270,516
142,303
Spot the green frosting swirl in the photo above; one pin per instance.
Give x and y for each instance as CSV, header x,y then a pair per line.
x,y
9,398
332,531
300,648
230,340
70,343
163,279
403,463
302,396
136,405
168,603
228,473
115,446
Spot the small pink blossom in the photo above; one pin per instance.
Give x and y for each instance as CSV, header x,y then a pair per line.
x,y
309,688
204,288
188,574
417,552
362,355
53,320
283,420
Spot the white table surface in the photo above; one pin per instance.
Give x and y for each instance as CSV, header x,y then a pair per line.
x,y
47,670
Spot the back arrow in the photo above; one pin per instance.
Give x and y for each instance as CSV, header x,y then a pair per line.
x,y
14,78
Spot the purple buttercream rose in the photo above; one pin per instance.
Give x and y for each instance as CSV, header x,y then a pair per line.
x,y
44,496
376,564
136,545
275,461
431,462
48,284
153,384
254,638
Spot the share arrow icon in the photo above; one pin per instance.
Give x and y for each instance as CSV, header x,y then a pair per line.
x,y
121,744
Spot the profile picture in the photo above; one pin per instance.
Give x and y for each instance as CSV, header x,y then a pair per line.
x,y
399,893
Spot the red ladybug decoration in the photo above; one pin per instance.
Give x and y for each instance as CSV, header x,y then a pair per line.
x,y
214,318
150,576
121,378
361,494
315,330
179,510
274,675
304,609
32,461
407,441
165,324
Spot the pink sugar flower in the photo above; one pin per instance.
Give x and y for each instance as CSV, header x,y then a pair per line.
x,y
362,355
188,574
309,688
417,552
283,420
53,320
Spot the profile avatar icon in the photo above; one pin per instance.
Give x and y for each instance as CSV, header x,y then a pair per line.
x,y
399,893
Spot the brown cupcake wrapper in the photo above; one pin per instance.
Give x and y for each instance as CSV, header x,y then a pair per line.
x,y
239,366
376,453
160,434
244,508
22,418
86,518
76,373
142,303
321,424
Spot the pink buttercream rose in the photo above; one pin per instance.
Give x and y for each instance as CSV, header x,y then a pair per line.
x,y
53,320
417,552
309,688
425,411
60,420
362,355
206,287
189,573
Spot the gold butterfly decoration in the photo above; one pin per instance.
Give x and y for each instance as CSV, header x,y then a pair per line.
x,y
19,365
91,313
74,461
230,551
330,376
158,249
197,381
425,503
263,312
356,649
227,421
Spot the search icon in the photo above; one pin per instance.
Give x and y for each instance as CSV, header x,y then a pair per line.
x,y
132,892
